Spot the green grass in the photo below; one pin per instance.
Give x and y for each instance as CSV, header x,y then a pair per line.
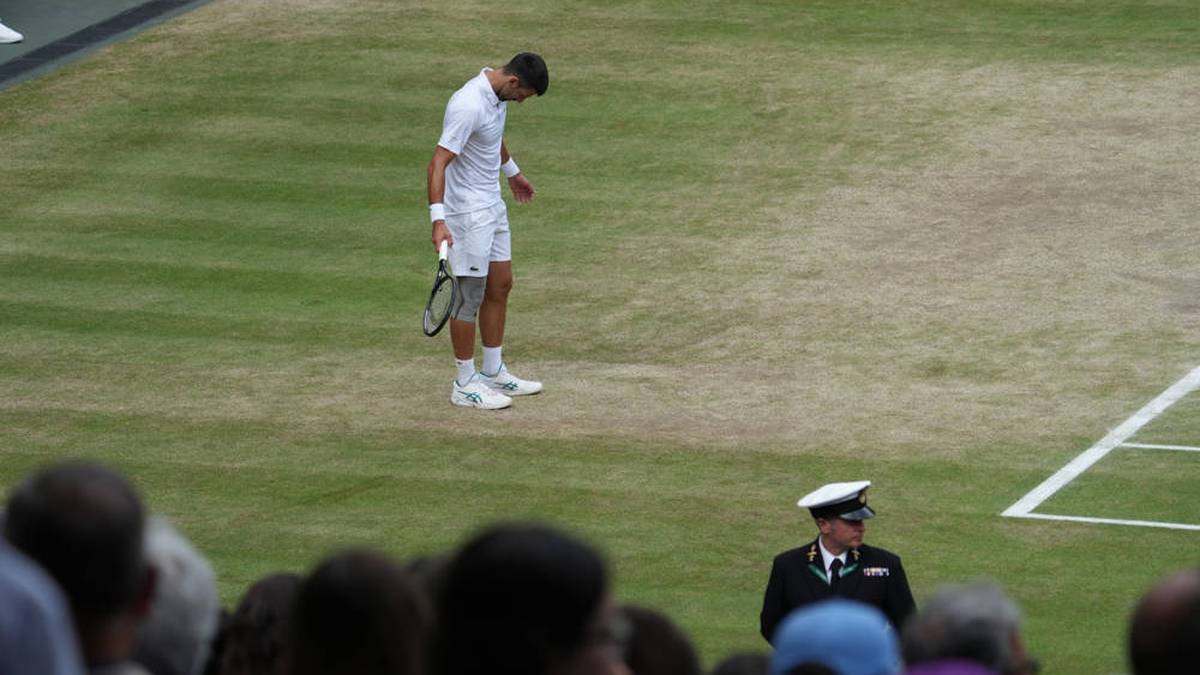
x,y
940,245
1141,483
1177,426
1133,483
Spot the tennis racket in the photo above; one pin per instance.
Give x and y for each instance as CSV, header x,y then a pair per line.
x,y
444,296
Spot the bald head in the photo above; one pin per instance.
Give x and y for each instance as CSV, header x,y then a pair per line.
x,y
1164,636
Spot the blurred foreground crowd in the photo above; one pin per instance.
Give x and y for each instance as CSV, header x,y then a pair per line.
x,y
90,584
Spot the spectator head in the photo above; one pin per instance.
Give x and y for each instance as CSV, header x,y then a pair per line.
x,y
1164,634
83,522
976,623
525,600
255,636
655,645
839,636
176,637
744,663
358,612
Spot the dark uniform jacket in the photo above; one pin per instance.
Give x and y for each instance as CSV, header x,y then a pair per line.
x,y
871,575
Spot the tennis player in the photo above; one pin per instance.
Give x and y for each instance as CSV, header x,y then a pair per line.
x,y
467,210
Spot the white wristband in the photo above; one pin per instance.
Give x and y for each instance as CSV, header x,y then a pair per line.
x,y
437,212
510,168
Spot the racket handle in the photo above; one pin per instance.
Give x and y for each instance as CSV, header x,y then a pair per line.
x,y
444,250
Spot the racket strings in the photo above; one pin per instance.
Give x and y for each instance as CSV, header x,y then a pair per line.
x,y
439,305
437,310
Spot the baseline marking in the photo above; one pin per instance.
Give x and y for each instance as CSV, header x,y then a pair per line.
x,y
1113,521
1025,506
1150,446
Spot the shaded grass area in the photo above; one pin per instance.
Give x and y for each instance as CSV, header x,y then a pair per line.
x,y
214,253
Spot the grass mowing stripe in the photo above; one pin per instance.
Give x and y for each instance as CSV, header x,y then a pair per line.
x,y
170,326
185,277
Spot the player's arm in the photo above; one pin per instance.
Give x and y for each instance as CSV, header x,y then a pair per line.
x,y
436,180
521,188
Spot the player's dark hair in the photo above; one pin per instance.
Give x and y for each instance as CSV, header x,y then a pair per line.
x,y
530,69
514,600
83,523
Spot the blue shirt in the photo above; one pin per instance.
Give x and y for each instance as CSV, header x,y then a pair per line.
x,y
36,632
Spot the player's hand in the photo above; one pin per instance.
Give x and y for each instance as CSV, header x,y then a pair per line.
x,y
441,232
521,188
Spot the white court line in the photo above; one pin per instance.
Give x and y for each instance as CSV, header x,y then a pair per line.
x,y
1112,521
1025,506
1150,446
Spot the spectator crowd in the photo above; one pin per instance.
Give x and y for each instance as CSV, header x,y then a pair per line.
x,y
89,583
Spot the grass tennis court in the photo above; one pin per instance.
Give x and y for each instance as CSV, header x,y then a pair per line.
x,y
944,246
1116,488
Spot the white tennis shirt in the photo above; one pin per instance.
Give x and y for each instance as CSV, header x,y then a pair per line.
x,y
473,129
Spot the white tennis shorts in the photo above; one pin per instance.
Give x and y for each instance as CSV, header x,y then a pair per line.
x,y
480,237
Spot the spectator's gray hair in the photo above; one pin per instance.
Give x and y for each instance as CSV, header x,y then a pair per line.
x,y
176,638
976,622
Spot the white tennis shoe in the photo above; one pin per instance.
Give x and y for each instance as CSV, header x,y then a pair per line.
x,y
508,384
475,394
8,35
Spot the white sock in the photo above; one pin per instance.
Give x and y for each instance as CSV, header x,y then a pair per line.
x,y
491,361
466,369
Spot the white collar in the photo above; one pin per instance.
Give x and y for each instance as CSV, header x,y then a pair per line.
x,y
486,86
827,557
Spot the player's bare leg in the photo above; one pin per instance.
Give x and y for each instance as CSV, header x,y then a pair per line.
x,y
494,311
492,315
462,338
469,388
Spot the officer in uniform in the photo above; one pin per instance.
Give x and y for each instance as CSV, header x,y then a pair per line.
x,y
837,563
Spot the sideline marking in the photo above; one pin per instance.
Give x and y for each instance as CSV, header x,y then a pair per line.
x,y
1025,506
1150,446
